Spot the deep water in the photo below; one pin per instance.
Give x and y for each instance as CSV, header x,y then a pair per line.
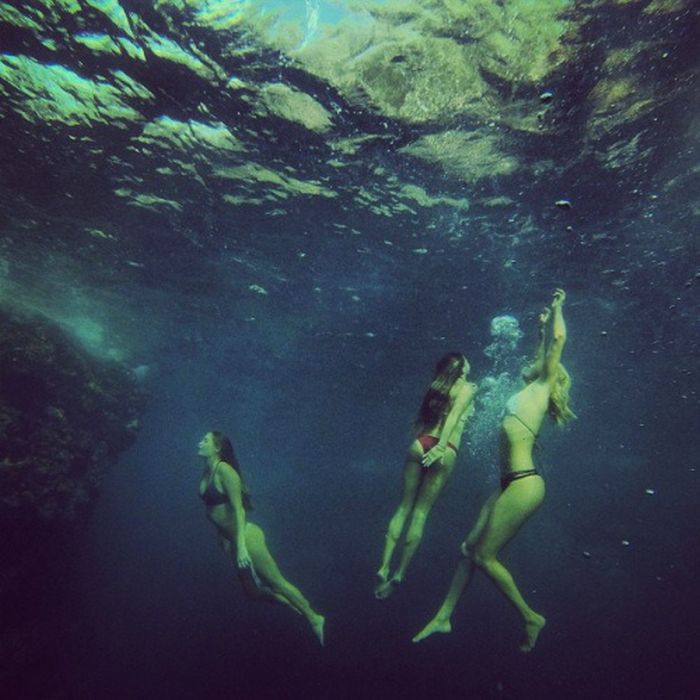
x,y
158,612
280,223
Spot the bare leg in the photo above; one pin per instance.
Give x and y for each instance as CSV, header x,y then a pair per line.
x,y
511,509
431,486
411,481
260,591
267,568
461,579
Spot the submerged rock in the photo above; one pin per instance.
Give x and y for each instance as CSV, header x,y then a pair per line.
x,y
64,417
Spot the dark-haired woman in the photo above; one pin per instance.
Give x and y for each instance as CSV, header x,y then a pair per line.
x,y
522,488
429,463
227,501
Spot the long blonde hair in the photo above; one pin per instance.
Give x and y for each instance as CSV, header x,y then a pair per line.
x,y
559,408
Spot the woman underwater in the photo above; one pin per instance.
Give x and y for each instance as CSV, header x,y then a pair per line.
x,y
429,463
227,501
522,488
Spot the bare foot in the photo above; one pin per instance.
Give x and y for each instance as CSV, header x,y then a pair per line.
x,y
317,626
384,590
435,625
382,576
532,631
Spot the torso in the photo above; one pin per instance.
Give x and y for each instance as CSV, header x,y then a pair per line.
x,y
456,436
520,425
221,515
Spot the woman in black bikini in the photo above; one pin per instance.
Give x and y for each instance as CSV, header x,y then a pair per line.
x,y
227,501
522,488
429,463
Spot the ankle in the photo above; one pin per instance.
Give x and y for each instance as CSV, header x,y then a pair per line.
x,y
443,616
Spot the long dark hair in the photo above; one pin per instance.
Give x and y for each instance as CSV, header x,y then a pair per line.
x,y
224,450
447,371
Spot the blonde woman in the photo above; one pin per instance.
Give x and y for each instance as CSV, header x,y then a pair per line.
x,y
429,463
228,501
522,488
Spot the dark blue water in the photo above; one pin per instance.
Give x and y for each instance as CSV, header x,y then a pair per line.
x,y
160,611
306,326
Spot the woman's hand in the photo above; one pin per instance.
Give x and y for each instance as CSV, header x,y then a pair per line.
x,y
434,454
544,316
243,558
558,298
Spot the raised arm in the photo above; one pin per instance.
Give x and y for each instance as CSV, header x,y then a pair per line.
x,y
536,367
231,483
541,337
551,363
460,405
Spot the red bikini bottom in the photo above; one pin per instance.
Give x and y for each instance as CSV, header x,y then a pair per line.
x,y
429,441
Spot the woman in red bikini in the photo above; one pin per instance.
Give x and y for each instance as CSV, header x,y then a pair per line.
x,y
522,488
429,463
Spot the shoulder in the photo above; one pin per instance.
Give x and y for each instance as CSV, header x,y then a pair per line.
x,y
464,391
228,473
468,388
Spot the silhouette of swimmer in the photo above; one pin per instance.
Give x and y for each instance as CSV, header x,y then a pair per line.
x,y
429,463
227,502
522,488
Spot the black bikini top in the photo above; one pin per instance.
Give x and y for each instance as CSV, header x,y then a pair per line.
x,y
212,496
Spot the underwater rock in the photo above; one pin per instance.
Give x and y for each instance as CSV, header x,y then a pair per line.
x,y
65,416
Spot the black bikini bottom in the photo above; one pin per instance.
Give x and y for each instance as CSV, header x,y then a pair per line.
x,y
510,477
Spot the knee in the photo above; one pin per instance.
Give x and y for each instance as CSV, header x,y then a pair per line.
x,y
480,559
281,586
400,514
466,549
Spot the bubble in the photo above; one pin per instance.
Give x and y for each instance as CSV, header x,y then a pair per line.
x,y
506,334
501,381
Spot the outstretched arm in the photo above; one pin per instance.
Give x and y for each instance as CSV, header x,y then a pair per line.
x,y
461,404
541,337
551,363
536,368
232,485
